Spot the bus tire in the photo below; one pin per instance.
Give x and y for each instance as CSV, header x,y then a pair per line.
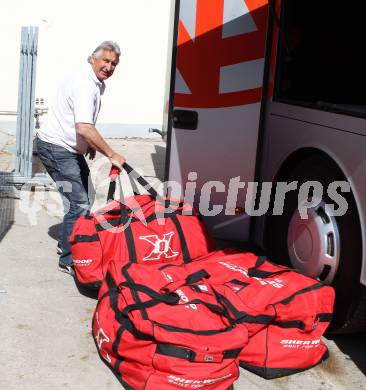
x,y
350,303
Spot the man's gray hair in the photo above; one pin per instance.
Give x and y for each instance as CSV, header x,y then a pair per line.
x,y
106,45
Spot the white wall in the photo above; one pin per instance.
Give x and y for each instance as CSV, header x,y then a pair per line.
x,y
69,32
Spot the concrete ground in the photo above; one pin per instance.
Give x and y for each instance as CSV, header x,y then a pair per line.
x,y
45,327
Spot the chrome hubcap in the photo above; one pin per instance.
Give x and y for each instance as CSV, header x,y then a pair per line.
x,y
314,243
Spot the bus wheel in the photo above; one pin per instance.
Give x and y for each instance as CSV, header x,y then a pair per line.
x,y
323,246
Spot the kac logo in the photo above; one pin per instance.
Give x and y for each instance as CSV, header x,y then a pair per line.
x,y
161,246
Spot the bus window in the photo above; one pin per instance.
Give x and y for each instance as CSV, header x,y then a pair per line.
x,y
321,57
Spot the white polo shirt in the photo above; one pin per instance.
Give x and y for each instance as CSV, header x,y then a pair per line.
x,y
77,100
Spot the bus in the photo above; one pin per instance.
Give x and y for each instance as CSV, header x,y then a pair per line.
x,y
266,98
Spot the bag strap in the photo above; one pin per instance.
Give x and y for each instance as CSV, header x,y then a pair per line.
x,y
168,296
314,287
255,272
239,316
189,280
193,356
134,177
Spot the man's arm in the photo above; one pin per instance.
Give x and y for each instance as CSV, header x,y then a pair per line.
x,y
97,142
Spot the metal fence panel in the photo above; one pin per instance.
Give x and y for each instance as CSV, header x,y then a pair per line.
x,y
26,93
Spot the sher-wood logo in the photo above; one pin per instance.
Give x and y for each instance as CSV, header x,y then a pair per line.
x,y
195,383
161,246
300,343
82,262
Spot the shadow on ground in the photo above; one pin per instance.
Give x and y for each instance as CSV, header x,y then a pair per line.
x,y
87,291
53,231
158,160
7,202
353,345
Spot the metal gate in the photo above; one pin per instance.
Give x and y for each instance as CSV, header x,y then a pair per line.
x,y
26,90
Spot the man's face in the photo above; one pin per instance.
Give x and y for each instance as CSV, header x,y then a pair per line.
x,y
104,64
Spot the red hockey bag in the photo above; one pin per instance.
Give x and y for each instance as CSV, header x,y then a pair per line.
x,y
302,310
144,229
165,330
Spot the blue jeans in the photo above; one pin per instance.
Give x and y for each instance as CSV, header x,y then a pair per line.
x,y
70,172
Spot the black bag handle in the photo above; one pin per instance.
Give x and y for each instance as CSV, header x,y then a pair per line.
x,y
114,174
255,272
141,180
134,176
111,191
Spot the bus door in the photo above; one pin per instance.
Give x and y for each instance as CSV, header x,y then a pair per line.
x,y
218,67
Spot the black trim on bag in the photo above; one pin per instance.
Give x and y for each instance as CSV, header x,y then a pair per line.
x,y
123,321
238,282
290,324
131,281
287,300
86,238
234,311
272,373
150,189
321,317
111,191
258,273
147,186
214,308
130,244
139,306
112,223
173,351
197,276
112,291
241,316
116,371
117,340
263,319
254,272
167,266
189,354
117,212
183,242
217,309
324,317
138,334
232,353
113,212
262,259
174,329
115,222
169,298
91,285
110,281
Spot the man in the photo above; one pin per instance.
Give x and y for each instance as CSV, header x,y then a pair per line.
x,y
68,133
